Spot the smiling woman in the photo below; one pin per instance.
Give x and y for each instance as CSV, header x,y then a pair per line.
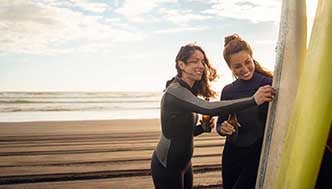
x,y
193,70
193,65
241,152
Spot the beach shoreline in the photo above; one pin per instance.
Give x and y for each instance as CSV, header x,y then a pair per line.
x,y
93,154
78,126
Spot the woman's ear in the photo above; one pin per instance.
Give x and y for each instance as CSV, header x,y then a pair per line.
x,y
181,64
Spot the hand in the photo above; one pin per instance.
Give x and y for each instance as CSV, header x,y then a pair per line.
x,y
226,128
264,94
207,127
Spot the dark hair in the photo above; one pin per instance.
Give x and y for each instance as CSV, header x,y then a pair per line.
x,y
209,74
234,44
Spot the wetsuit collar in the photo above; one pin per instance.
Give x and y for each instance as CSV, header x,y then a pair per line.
x,y
193,89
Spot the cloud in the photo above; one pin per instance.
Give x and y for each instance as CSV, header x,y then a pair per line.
x,y
246,4
182,17
89,6
135,10
179,29
182,14
85,5
39,28
61,26
255,10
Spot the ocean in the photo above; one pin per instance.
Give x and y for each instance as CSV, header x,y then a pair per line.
x,y
70,106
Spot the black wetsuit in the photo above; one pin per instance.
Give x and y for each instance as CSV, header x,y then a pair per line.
x,y
171,160
324,180
240,157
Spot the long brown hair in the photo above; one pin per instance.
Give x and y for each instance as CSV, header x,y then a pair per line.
x,y
234,44
209,74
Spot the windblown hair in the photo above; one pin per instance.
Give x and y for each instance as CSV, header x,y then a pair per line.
x,y
202,86
234,44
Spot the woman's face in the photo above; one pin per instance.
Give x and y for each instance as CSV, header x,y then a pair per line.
x,y
242,65
193,70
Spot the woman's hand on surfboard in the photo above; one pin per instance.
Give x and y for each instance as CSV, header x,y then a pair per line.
x,y
264,94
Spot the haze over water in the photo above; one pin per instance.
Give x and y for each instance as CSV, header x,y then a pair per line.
x,y
60,106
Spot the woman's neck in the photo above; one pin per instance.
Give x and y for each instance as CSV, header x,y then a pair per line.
x,y
190,82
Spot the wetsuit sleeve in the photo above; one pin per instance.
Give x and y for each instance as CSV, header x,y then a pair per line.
x,y
190,102
224,117
198,129
263,109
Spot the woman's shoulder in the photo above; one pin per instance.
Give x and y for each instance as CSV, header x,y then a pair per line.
x,y
178,91
229,87
174,88
227,91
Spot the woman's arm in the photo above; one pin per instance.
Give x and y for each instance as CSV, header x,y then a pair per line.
x,y
222,118
190,102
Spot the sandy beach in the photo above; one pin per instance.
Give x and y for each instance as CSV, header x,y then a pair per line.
x,y
93,154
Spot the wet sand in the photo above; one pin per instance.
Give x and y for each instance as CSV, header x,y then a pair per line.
x,y
93,154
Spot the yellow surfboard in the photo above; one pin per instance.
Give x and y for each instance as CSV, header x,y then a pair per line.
x,y
312,114
291,48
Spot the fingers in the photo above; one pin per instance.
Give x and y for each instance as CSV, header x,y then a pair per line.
x,y
211,122
226,128
264,94
268,89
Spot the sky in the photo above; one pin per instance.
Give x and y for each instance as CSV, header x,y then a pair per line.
x,y
125,45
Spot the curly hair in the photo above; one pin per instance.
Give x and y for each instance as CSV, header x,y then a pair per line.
x,y
210,73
